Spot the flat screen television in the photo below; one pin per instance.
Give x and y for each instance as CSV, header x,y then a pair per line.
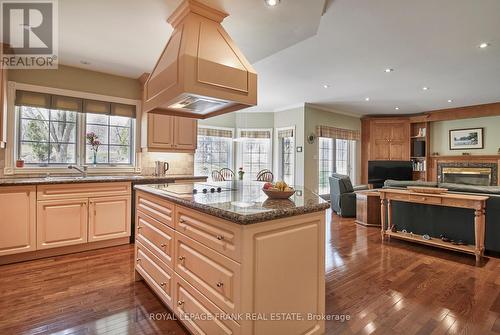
x,y
380,171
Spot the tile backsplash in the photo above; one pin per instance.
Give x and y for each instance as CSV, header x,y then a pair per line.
x,y
180,163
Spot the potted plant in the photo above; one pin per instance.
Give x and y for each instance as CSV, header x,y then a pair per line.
x,y
93,141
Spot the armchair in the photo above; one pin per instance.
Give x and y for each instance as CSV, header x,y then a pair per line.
x,y
342,196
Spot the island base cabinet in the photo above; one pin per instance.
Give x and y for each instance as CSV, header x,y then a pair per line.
x,y
262,278
61,223
109,217
17,219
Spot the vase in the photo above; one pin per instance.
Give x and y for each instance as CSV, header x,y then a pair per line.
x,y
95,157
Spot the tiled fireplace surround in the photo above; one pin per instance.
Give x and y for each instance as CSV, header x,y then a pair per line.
x,y
483,163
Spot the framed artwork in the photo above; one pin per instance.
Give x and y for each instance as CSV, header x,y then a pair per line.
x,y
465,139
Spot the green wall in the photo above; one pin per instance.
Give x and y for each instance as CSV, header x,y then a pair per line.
x,y
440,135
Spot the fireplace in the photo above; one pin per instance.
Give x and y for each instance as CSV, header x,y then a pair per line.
x,y
467,175
483,174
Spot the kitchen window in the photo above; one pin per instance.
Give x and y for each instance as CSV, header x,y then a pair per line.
x,y
214,151
52,131
255,153
286,155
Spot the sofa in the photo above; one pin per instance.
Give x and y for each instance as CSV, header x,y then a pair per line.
x,y
342,196
455,223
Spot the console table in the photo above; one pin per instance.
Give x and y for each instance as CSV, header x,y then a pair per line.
x,y
474,202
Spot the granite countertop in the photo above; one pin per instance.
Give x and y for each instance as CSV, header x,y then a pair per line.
x,y
241,202
97,179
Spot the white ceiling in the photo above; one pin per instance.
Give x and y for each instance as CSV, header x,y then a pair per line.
x,y
428,43
126,37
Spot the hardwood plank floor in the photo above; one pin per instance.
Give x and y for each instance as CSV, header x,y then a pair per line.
x,y
390,288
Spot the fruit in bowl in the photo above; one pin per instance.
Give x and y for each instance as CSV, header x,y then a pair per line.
x,y
278,190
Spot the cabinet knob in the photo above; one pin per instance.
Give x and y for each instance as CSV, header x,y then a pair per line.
x,y
181,258
220,284
220,237
182,221
138,260
139,227
163,245
163,284
180,302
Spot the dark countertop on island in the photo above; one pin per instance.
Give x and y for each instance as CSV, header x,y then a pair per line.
x,y
241,202
97,179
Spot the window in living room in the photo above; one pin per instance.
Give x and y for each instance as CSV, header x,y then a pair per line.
x,y
335,156
215,150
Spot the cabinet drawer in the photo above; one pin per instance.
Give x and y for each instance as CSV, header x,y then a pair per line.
x,y
83,190
396,197
159,278
155,236
192,302
214,233
425,199
155,207
215,275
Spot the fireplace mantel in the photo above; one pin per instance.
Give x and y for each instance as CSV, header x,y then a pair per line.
x,y
434,160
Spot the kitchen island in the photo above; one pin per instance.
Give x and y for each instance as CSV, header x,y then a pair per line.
x,y
227,260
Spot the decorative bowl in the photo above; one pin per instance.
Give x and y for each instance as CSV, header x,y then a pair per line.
x,y
427,190
278,194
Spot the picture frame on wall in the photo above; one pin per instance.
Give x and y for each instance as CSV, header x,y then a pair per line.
x,y
466,139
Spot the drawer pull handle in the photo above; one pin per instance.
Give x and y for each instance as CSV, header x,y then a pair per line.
x,y
220,284
182,258
163,284
182,221
180,302
220,237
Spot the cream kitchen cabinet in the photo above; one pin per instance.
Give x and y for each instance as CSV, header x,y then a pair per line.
x,y
109,217
170,133
17,219
61,223
81,213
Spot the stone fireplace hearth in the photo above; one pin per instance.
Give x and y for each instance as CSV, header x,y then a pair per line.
x,y
470,173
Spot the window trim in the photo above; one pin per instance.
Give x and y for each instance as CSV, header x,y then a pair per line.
x,y
278,160
12,130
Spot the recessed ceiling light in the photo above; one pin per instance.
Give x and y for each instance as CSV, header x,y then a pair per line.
x,y
272,3
449,100
326,86
367,99
84,62
484,45
425,88
397,108
388,70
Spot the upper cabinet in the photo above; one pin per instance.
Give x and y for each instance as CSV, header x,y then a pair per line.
x,y
167,133
3,102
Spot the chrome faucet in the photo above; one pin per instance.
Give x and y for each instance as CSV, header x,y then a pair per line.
x,y
82,170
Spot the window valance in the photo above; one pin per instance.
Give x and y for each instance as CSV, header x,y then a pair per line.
x,y
51,101
285,133
338,133
215,132
255,133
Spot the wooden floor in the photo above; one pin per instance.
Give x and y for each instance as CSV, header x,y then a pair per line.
x,y
391,288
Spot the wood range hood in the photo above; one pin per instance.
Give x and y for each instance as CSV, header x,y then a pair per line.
x,y
201,72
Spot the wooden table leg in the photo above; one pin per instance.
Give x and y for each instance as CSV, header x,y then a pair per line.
x,y
382,216
389,217
479,221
